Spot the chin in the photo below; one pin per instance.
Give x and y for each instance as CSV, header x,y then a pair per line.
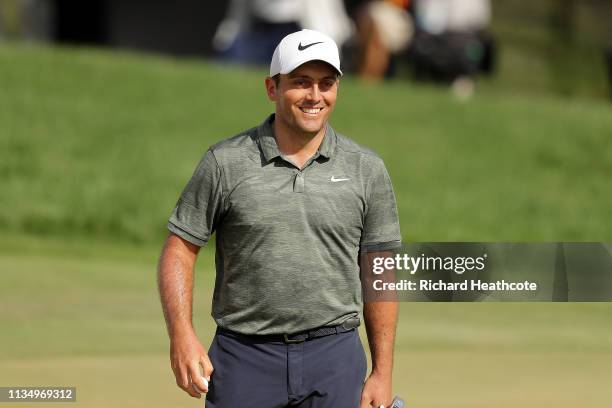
x,y
314,128
312,125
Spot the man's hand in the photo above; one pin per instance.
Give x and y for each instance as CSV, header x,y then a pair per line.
x,y
377,391
190,363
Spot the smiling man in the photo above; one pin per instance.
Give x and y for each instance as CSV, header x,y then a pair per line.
x,y
292,204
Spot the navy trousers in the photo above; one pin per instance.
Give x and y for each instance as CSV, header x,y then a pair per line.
x,y
325,372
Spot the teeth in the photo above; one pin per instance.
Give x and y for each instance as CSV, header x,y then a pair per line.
x,y
312,111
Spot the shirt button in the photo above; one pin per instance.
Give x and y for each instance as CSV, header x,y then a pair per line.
x,y
298,183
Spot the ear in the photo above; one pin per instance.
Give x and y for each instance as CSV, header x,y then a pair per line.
x,y
271,89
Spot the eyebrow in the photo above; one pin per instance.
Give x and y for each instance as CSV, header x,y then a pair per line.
x,y
293,76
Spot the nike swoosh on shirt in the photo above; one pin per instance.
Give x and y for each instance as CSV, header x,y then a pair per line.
x,y
303,47
335,180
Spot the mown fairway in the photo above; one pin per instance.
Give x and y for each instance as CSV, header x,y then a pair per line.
x,y
72,317
95,148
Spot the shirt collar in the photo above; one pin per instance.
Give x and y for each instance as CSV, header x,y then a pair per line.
x,y
267,142
269,147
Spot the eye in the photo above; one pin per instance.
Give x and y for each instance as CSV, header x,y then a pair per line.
x,y
327,84
300,82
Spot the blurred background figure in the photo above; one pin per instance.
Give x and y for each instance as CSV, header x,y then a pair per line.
x,y
384,29
251,29
452,43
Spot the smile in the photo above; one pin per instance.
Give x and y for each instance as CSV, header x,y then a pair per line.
x,y
311,111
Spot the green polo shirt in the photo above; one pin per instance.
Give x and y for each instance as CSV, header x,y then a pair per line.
x,y
288,239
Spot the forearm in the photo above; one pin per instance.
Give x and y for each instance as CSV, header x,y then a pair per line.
x,y
188,358
175,284
381,320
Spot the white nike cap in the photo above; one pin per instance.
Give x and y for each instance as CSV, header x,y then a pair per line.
x,y
303,46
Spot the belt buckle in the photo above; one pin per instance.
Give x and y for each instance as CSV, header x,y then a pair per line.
x,y
351,323
291,341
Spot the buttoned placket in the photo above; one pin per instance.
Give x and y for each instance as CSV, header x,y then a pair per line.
x,y
270,150
299,178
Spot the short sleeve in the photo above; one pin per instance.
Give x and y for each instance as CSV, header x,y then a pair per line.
x,y
198,209
381,230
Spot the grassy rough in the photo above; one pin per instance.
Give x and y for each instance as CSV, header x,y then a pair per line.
x,y
99,145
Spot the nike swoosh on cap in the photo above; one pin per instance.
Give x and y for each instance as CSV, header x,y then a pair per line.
x,y
303,47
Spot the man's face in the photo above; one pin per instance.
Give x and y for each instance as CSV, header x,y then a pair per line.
x,y
305,97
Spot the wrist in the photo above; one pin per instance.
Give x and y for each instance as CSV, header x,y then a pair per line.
x,y
385,371
182,331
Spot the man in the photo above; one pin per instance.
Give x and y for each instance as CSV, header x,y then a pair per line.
x,y
292,203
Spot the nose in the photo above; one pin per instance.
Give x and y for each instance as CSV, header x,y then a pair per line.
x,y
314,92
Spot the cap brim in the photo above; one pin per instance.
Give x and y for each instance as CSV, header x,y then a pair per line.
x,y
299,63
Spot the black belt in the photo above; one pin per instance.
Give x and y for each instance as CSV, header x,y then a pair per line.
x,y
348,325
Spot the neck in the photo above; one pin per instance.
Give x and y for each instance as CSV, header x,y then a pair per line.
x,y
294,143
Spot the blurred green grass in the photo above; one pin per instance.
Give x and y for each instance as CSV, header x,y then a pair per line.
x,y
552,46
87,315
57,298
99,145
96,146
